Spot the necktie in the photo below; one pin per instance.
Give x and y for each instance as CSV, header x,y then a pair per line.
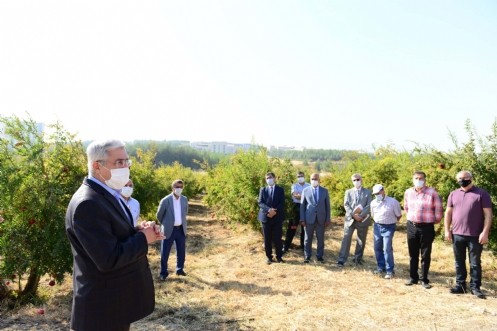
x,y
128,213
271,194
315,195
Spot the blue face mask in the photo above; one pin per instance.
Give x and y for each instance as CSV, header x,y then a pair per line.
x,y
379,197
270,181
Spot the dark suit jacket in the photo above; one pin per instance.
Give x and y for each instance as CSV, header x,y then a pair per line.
x,y
312,211
278,203
112,282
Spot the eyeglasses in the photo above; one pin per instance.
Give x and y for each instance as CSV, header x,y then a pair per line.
x,y
300,176
356,180
120,163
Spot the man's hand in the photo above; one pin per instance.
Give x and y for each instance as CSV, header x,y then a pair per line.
x,y
271,212
302,223
483,238
152,231
448,236
327,223
357,218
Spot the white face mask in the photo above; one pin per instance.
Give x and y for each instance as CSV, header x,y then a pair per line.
x,y
270,181
418,183
178,191
379,198
118,178
357,184
301,180
126,191
314,183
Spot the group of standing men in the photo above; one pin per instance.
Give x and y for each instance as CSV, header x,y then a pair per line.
x,y
112,281
468,219
312,211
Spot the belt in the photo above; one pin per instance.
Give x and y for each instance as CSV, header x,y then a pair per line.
x,y
418,225
178,226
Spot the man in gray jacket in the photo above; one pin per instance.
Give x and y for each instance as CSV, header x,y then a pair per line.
x,y
172,215
357,202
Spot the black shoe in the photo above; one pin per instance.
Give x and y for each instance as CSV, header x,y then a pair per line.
x,y
180,272
269,260
162,277
284,251
279,260
307,260
411,282
321,260
426,285
358,262
458,289
476,292
340,264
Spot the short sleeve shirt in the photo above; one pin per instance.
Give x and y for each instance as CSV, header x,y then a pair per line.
x,y
467,210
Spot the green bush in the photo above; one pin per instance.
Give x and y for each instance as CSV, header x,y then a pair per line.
x,y
232,187
38,175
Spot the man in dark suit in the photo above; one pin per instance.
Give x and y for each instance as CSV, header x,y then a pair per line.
x,y
112,282
315,215
271,215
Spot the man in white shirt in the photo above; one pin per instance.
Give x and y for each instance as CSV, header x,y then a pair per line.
x,y
386,213
172,215
131,203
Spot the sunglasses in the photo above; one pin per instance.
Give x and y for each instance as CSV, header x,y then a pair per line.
x,y
356,180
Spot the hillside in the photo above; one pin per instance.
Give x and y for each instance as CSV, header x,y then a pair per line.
x,y
230,287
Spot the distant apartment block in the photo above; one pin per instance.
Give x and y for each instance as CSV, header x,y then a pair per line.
x,y
219,146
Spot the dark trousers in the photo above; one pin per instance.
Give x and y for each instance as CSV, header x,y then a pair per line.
x,y
178,237
419,239
293,224
272,231
460,244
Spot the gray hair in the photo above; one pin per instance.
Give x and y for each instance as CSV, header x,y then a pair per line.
x,y
98,150
356,176
466,173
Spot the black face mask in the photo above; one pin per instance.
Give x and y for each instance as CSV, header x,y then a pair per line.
x,y
464,182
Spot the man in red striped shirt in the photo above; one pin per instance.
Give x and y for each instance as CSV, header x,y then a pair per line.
x,y
423,207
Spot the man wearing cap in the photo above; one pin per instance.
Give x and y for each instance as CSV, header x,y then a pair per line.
x,y
386,213
357,203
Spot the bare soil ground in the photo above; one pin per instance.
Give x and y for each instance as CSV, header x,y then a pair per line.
x,y
230,287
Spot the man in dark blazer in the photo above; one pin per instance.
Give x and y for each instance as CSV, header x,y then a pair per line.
x,y
112,282
357,204
315,215
271,215
171,214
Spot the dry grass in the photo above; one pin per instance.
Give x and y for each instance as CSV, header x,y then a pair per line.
x,y
229,287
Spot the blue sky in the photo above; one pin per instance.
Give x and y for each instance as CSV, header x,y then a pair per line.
x,y
322,74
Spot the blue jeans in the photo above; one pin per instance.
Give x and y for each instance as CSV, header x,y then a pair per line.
x,y
383,250
178,237
460,245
